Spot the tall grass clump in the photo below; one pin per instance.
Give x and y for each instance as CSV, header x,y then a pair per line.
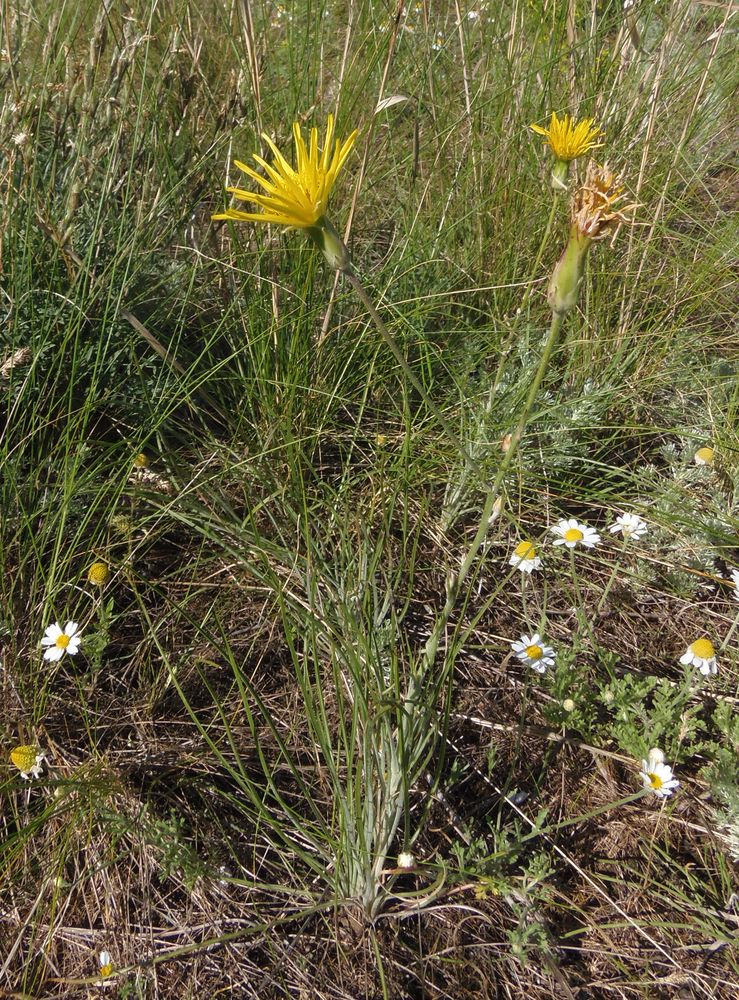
x,y
368,616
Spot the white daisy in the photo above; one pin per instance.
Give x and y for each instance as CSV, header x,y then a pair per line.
x,y
572,533
735,580
657,775
525,558
28,760
702,655
630,526
60,641
531,651
105,970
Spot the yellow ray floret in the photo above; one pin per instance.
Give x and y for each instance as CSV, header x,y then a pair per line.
x,y
293,196
568,139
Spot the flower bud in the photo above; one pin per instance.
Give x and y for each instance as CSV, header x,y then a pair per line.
x,y
560,172
564,285
331,244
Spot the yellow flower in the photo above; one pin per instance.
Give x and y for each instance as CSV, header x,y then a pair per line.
x,y
704,456
568,139
295,197
140,461
98,573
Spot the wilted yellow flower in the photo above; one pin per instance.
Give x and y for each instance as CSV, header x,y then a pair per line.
x,y
298,196
594,209
141,461
568,139
98,573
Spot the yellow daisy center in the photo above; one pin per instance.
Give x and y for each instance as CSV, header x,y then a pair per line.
x,y
62,641
525,550
573,535
703,648
23,757
98,573
534,652
654,780
704,455
106,970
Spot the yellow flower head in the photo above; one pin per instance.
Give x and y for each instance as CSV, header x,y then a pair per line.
x,y
98,573
568,139
594,207
293,196
28,759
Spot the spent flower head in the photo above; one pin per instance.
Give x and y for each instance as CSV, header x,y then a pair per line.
x,y
406,860
530,649
569,139
59,641
571,533
657,775
630,526
525,557
701,654
595,206
29,760
297,196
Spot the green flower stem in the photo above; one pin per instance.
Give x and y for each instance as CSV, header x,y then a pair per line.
x,y
410,374
729,635
556,827
612,577
524,300
582,617
539,255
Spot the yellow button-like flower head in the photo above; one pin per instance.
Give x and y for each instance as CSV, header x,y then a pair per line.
x,y
568,139
98,573
293,196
